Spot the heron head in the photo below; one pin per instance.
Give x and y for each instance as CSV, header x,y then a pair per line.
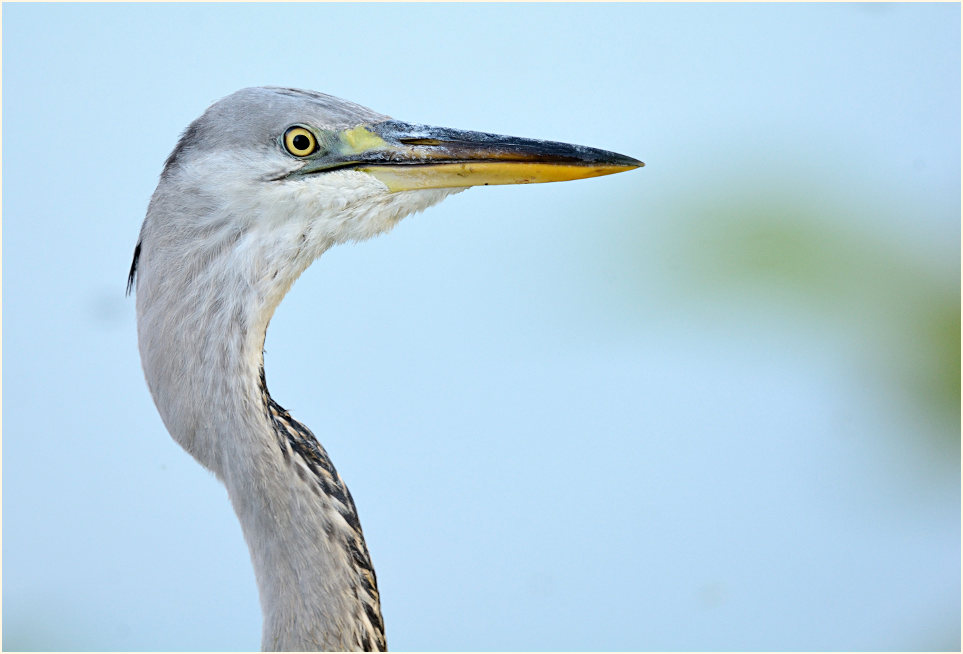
x,y
344,172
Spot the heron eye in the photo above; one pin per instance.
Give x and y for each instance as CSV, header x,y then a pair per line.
x,y
299,141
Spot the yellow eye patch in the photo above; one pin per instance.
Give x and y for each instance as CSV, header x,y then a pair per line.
x,y
299,141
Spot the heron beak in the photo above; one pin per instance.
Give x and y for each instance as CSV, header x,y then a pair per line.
x,y
406,157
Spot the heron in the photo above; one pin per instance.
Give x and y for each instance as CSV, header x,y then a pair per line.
x,y
257,188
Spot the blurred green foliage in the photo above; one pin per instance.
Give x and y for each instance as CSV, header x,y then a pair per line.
x,y
907,308
820,259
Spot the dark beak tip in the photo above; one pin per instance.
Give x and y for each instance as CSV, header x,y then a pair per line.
x,y
622,160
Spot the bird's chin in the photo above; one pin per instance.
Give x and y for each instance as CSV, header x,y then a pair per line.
x,y
354,206
387,209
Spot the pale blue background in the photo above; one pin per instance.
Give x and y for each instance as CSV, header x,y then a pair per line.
x,y
709,404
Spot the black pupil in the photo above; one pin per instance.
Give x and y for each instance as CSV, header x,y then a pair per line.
x,y
301,142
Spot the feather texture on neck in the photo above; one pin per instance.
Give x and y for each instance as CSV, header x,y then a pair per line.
x,y
213,264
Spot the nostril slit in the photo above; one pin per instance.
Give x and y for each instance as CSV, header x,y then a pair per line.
x,y
421,141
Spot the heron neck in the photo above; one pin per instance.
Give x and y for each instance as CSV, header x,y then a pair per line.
x,y
317,584
202,350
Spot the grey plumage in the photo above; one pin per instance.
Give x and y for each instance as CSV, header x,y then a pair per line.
x,y
256,189
310,462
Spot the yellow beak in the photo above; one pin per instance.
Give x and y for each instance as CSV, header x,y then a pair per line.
x,y
406,157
